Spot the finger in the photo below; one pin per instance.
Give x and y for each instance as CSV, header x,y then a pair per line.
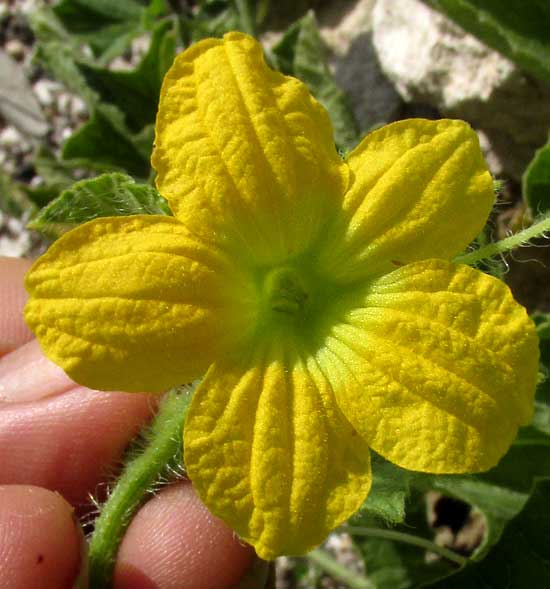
x,y
69,442
175,542
40,546
13,330
27,375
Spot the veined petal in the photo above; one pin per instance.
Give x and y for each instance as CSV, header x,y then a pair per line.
x,y
435,366
136,304
420,188
270,453
245,155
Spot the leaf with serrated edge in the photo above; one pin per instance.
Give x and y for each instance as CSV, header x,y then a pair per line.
x,y
109,195
521,558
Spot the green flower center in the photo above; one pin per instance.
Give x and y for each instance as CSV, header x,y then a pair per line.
x,y
285,291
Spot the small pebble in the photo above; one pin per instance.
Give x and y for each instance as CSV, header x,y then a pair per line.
x,y
78,108
14,225
15,48
36,181
45,91
63,102
10,137
66,133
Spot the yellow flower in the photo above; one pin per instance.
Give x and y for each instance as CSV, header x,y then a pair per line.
x,y
317,294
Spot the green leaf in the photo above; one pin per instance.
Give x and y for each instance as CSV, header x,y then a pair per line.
x,y
56,51
501,492
522,557
212,18
516,28
301,53
105,143
389,492
136,93
107,26
497,503
541,418
13,198
542,321
384,564
393,564
90,15
536,182
109,195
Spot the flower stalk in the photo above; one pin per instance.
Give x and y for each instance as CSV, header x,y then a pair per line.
x,y
404,538
153,459
521,238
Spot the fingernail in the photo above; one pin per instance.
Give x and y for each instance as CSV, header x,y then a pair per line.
x,y
27,375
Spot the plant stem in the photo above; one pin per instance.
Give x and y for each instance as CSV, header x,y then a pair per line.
x,y
407,539
247,16
154,457
507,244
339,571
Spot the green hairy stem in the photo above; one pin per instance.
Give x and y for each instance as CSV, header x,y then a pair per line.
x,y
154,459
505,245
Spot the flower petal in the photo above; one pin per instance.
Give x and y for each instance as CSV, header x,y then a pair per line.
x,y
135,304
270,453
435,366
420,188
245,155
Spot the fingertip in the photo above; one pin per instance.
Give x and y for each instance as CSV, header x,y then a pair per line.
x,y
27,375
40,545
175,542
69,442
13,330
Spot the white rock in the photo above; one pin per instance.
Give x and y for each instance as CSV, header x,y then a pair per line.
x,y
431,60
346,27
10,137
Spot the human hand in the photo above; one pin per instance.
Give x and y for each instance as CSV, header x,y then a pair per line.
x,y
58,443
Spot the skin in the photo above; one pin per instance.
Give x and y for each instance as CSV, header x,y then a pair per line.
x,y
58,443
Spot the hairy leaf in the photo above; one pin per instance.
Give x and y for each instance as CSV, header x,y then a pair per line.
x,y
536,181
109,195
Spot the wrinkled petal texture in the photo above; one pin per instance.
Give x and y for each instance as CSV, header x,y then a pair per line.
x,y
271,454
420,188
245,155
135,304
435,365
